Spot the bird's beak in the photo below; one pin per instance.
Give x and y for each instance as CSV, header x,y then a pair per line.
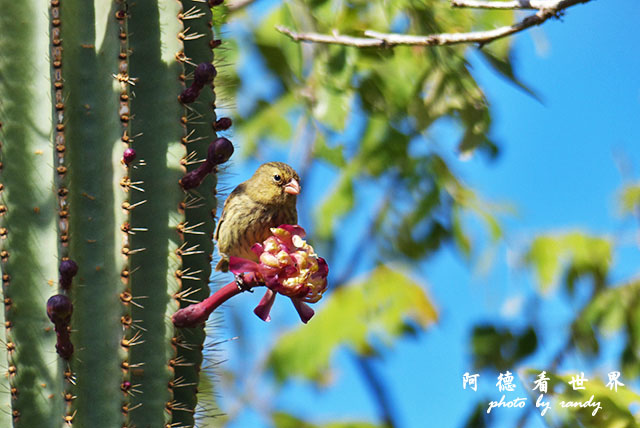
x,y
292,187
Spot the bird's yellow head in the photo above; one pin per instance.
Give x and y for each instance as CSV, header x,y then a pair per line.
x,y
274,183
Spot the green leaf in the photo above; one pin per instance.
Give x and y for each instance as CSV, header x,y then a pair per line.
x,y
382,147
334,154
629,199
339,202
461,239
417,245
501,348
467,199
485,19
268,119
374,309
282,56
583,254
372,94
332,106
505,68
611,311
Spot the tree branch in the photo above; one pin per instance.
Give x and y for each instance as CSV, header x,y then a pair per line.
x,y
376,39
378,390
336,39
492,4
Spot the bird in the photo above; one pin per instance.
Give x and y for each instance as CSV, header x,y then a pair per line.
x,y
266,200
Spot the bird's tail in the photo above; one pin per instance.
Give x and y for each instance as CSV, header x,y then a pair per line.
x,y
223,265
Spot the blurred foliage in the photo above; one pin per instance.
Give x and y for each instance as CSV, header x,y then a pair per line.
x,y
615,405
369,113
366,312
614,310
501,348
630,199
479,417
581,255
611,310
283,420
376,116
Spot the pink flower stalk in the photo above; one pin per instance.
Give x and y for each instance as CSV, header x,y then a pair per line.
x,y
287,265
198,313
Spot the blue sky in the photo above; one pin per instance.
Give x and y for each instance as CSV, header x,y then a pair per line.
x,y
560,168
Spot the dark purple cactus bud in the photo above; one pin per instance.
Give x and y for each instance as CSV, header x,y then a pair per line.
x,y
213,3
190,94
222,124
219,151
128,156
64,347
68,269
192,179
59,309
204,74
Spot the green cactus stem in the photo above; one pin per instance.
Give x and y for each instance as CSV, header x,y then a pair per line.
x,y
197,229
92,133
28,255
90,182
156,131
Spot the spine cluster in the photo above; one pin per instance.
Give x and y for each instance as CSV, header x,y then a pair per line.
x,y
131,331
204,153
59,307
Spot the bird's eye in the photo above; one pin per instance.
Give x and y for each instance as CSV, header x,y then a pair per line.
x,y
277,177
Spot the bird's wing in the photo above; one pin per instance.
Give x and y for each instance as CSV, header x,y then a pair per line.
x,y
215,234
220,220
230,200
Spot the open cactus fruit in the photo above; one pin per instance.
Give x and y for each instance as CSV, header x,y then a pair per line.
x,y
286,265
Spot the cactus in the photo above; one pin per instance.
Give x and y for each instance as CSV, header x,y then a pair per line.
x,y
108,208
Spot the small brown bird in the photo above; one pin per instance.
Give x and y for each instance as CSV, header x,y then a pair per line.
x,y
266,200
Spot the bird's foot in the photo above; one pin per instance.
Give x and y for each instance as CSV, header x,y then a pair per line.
x,y
242,286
